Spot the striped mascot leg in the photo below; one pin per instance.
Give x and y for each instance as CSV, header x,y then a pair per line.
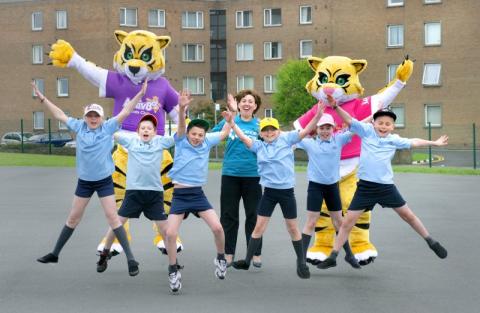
x,y
120,157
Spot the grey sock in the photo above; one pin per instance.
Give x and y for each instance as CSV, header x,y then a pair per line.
x,y
62,239
252,247
430,241
122,238
298,246
348,250
305,242
333,255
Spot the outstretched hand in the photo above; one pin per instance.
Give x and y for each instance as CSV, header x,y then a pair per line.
x,y
228,116
40,95
442,141
331,102
184,99
143,91
232,103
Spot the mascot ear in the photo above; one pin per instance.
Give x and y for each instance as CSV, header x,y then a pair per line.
x,y
360,65
163,41
314,62
120,36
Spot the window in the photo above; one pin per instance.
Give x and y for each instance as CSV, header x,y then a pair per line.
x,y
192,19
395,3
272,50
305,15
194,84
244,51
62,19
272,17
37,54
391,71
37,21
192,53
433,34
156,18
63,126
268,113
128,17
433,114
244,19
244,82
431,74
40,83
395,35
38,120
306,48
269,83
399,111
62,87
432,1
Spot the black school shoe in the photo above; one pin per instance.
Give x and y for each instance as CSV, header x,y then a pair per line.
x,y
352,261
102,263
240,265
329,262
439,250
133,268
303,271
49,258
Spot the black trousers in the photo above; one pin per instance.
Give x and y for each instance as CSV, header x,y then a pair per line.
x,y
233,189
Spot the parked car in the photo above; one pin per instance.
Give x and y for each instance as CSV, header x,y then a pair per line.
x,y
58,139
14,138
71,144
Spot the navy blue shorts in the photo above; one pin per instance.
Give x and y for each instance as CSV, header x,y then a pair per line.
x,y
103,187
316,193
189,200
284,197
150,202
369,193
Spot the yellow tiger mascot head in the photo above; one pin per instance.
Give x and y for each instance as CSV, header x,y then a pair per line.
x,y
140,55
336,76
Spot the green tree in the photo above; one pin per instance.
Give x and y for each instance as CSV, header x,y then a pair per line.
x,y
291,99
205,109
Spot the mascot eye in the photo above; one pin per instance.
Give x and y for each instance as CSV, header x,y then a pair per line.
x,y
146,57
128,55
322,78
342,79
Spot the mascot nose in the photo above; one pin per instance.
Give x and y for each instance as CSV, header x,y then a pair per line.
x,y
134,69
329,91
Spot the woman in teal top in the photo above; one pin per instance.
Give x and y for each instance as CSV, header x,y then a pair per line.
x,y
240,178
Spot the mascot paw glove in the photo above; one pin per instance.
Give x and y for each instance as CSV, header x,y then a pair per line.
x,y
61,53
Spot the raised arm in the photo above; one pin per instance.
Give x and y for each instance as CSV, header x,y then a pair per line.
x,y
341,112
418,142
128,108
229,118
56,111
183,100
313,123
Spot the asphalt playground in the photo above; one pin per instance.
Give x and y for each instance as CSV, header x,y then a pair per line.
x,y
406,277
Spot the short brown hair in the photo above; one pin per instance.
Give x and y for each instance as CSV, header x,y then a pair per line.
x,y
245,92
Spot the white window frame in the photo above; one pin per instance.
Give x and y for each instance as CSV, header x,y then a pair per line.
x,y
198,18
38,120
390,39
432,1
399,110
240,19
199,85
199,52
124,15
241,51
61,125
269,83
303,20
302,54
37,54
62,93
427,68
241,85
391,3
40,83
426,108
426,32
37,17
268,113
62,19
267,50
161,17
391,71
267,17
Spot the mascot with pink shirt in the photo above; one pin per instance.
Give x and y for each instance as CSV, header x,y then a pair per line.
x,y
338,76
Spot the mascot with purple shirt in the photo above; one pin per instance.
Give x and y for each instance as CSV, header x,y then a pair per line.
x,y
140,57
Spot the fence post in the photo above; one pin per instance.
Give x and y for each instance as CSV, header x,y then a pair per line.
x,y
21,134
474,148
49,137
429,147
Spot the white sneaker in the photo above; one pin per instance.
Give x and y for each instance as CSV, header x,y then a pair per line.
x,y
221,268
175,280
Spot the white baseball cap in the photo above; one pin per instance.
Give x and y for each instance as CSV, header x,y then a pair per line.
x,y
93,108
326,119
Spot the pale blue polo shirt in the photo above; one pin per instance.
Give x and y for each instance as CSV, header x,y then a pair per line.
x,y
144,161
94,148
190,164
324,157
275,160
377,153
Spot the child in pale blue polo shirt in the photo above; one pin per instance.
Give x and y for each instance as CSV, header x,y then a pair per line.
x,y
189,174
94,138
323,173
144,190
376,176
276,169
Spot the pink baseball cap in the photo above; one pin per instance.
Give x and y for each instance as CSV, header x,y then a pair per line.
x,y
326,119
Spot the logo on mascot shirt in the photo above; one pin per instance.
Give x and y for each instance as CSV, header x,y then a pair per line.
x,y
152,104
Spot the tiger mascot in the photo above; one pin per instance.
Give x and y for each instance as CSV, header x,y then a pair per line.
x,y
140,57
338,76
